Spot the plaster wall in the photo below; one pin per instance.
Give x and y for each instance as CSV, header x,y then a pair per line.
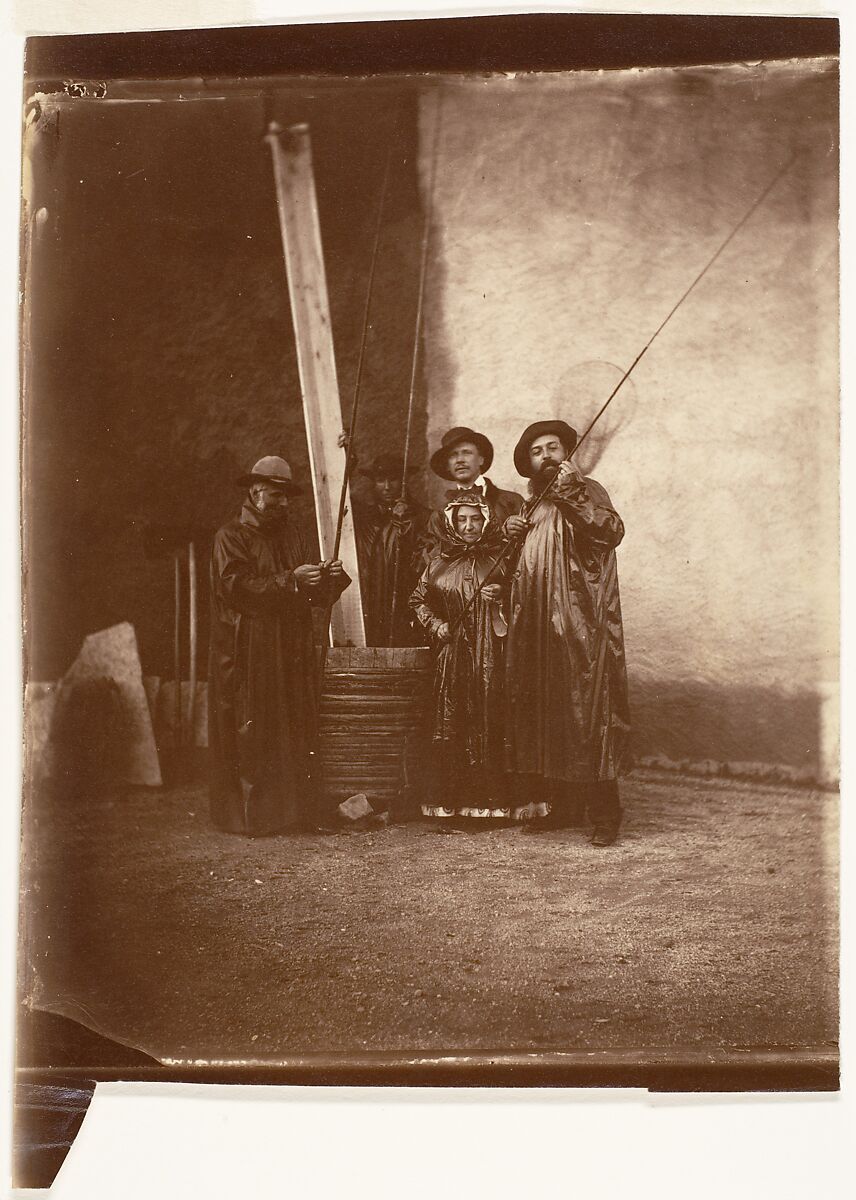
x,y
570,214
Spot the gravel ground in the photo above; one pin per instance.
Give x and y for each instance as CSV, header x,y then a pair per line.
x,y
712,923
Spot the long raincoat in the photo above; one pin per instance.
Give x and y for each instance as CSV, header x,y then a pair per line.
x,y
567,714
381,538
467,698
262,676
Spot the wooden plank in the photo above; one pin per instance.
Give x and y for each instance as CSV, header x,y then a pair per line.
x,y
310,313
402,659
374,685
384,738
384,764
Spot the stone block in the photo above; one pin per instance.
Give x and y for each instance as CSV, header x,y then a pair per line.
x,y
356,807
110,657
152,684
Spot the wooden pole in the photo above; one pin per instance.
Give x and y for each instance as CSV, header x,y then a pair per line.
x,y
192,590
176,651
310,311
349,450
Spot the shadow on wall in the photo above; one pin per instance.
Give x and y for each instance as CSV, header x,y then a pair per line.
x,y
161,341
686,721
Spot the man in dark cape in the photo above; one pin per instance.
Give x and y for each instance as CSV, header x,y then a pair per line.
x,y
390,533
463,457
567,718
262,677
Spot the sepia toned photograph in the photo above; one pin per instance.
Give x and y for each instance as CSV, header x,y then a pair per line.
x,y
430,558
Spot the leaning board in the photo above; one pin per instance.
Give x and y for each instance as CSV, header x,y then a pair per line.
x,y
310,311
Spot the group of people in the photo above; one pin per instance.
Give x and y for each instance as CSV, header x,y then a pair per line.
x,y
517,597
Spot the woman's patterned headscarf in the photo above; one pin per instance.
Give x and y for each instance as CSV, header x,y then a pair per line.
x,y
469,499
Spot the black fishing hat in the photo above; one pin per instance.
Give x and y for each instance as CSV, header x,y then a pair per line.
x,y
453,438
271,469
561,429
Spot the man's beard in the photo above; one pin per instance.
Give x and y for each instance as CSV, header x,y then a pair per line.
x,y
272,517
545,475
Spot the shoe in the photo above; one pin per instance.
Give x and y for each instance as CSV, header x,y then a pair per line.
x,y
604,835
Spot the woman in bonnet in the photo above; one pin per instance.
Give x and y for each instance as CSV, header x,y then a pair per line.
x,y
468,641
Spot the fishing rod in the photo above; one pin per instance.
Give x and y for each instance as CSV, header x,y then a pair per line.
x,y
529,508
426,235
349,449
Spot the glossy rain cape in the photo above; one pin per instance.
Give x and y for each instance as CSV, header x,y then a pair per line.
x,y
262,676
566,682
467,698
380,538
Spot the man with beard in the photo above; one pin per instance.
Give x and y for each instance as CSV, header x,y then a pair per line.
x,y
567,715
389,532
463,457
262,675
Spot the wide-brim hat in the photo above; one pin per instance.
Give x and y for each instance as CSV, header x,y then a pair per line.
x,y
451,439
561,429
271,469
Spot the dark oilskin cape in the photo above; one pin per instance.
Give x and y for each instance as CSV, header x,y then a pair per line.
x,y
567,714
467,709
262,676
379,536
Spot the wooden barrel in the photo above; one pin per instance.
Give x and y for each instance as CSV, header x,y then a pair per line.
x,y
374,700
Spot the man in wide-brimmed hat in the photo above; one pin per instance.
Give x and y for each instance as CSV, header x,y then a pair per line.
x,y
463,457
389,532
567,720
262,678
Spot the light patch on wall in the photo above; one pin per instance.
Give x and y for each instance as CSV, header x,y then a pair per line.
x,y
571,212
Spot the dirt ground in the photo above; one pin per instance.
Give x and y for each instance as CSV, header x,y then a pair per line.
x,y
712,923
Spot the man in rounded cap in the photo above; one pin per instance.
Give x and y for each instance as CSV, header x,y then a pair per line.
x,y
262,675
567,719
463,457
389,531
